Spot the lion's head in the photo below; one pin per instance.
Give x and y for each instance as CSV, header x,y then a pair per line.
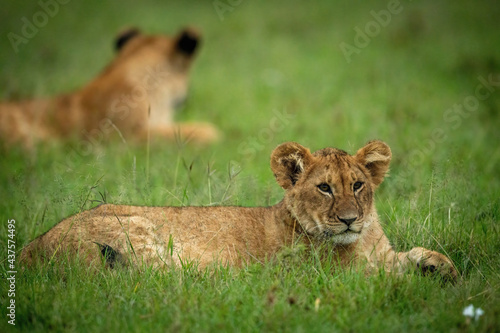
x,y
160,63
149,77
330,192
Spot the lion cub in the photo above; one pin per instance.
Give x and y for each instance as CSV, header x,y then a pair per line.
x,y
134,96
328,200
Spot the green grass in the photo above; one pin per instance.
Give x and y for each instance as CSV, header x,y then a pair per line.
x,y
267,57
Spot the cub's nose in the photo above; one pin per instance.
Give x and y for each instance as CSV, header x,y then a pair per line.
x,y
348,220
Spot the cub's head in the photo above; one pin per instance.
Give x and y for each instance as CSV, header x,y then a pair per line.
x,y
155,64
330,192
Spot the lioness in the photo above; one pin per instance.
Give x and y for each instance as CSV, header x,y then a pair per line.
x,y
328,200
135,95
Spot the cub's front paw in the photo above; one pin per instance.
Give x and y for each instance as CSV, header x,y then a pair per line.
x,y
434,263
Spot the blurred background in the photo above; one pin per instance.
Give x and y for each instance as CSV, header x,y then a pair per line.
x,y
329,73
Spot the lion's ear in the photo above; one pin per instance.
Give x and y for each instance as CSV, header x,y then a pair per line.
x,y
375,156
187,41
125,36
288,161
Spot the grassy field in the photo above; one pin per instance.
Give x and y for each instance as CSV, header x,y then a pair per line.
x,y
416,80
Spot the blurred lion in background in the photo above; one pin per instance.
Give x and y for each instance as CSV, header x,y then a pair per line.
x,y
134,96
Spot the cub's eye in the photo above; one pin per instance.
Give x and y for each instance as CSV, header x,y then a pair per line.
x,y
357,185
325,188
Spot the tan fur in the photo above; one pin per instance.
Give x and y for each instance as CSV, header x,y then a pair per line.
x,y
328,200
135,95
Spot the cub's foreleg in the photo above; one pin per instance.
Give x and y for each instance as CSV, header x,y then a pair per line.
x,y
427,261
380,254
198,133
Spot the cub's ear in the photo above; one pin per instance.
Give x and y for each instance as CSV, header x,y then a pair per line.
x,y
375,156
288,161
124,36
187,41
